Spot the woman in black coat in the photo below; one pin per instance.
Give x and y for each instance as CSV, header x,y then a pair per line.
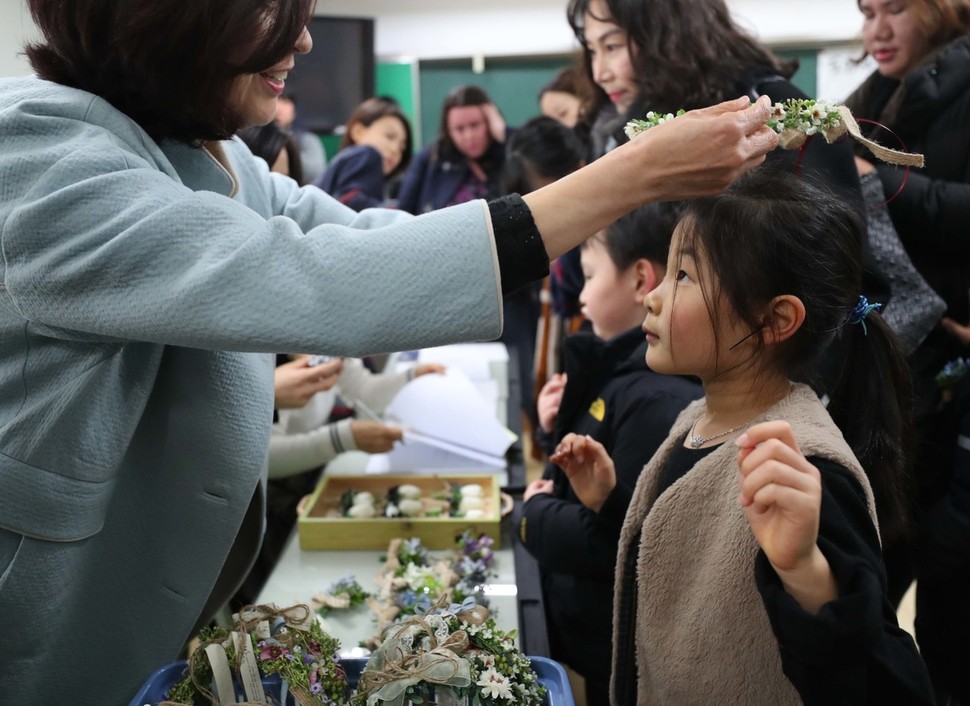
x,y
688,54
921,91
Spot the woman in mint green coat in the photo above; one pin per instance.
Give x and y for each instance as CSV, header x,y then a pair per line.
x,y
148,265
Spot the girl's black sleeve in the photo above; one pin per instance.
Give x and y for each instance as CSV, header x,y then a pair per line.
x,y
853,650
567,537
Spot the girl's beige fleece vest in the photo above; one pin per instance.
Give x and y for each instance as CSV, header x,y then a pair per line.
x,y
702,633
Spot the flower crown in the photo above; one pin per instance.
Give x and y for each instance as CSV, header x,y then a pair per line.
x,y
795,121
412,580
451,654
263,641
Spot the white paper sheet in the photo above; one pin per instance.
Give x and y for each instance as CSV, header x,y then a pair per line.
x,y
417,455
473,359
448,408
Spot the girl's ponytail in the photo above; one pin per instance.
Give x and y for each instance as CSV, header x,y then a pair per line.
x,y
871,404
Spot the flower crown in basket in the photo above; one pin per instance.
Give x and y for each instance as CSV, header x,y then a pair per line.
x,y
452,655
263,641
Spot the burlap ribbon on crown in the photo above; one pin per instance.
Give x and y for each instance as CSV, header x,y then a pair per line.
x,y
396,665
792,139
251,617
326,600
258,619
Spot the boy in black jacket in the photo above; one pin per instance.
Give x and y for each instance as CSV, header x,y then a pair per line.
x,y
609,393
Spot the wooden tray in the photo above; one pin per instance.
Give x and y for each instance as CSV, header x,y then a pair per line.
x,y
318,531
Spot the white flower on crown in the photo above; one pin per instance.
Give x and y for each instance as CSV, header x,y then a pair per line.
x,y
418,576
495,685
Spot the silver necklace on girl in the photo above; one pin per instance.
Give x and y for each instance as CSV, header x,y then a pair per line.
x,y
696,441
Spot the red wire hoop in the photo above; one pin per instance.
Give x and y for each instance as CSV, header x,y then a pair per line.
x,y
902,146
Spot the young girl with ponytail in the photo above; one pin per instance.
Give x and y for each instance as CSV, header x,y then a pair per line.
x,y
749,566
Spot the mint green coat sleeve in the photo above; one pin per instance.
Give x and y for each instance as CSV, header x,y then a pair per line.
x,y
146,254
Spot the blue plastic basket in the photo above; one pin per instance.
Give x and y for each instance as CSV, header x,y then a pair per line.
x,y
550,673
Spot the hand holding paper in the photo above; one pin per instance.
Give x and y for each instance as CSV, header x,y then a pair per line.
x,y
446,425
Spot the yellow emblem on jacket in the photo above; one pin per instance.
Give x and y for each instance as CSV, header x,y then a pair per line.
x,y
597,410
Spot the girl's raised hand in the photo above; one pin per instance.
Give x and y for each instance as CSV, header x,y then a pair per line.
x,y
781,493
590,470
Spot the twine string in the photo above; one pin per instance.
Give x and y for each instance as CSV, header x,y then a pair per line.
x,y
801,156
252,615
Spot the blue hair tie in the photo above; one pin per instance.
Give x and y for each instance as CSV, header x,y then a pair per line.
x,y
860,312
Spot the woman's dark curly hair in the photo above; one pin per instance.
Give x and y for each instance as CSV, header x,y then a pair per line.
x,y
687,53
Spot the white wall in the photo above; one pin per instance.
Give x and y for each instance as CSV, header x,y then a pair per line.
x,y
460,28
16,28
431,29
839,73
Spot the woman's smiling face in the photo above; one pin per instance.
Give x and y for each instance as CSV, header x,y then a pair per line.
x,y
253,96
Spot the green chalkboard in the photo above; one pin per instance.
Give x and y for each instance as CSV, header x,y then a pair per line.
x,y
397,81
806,78
330,144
